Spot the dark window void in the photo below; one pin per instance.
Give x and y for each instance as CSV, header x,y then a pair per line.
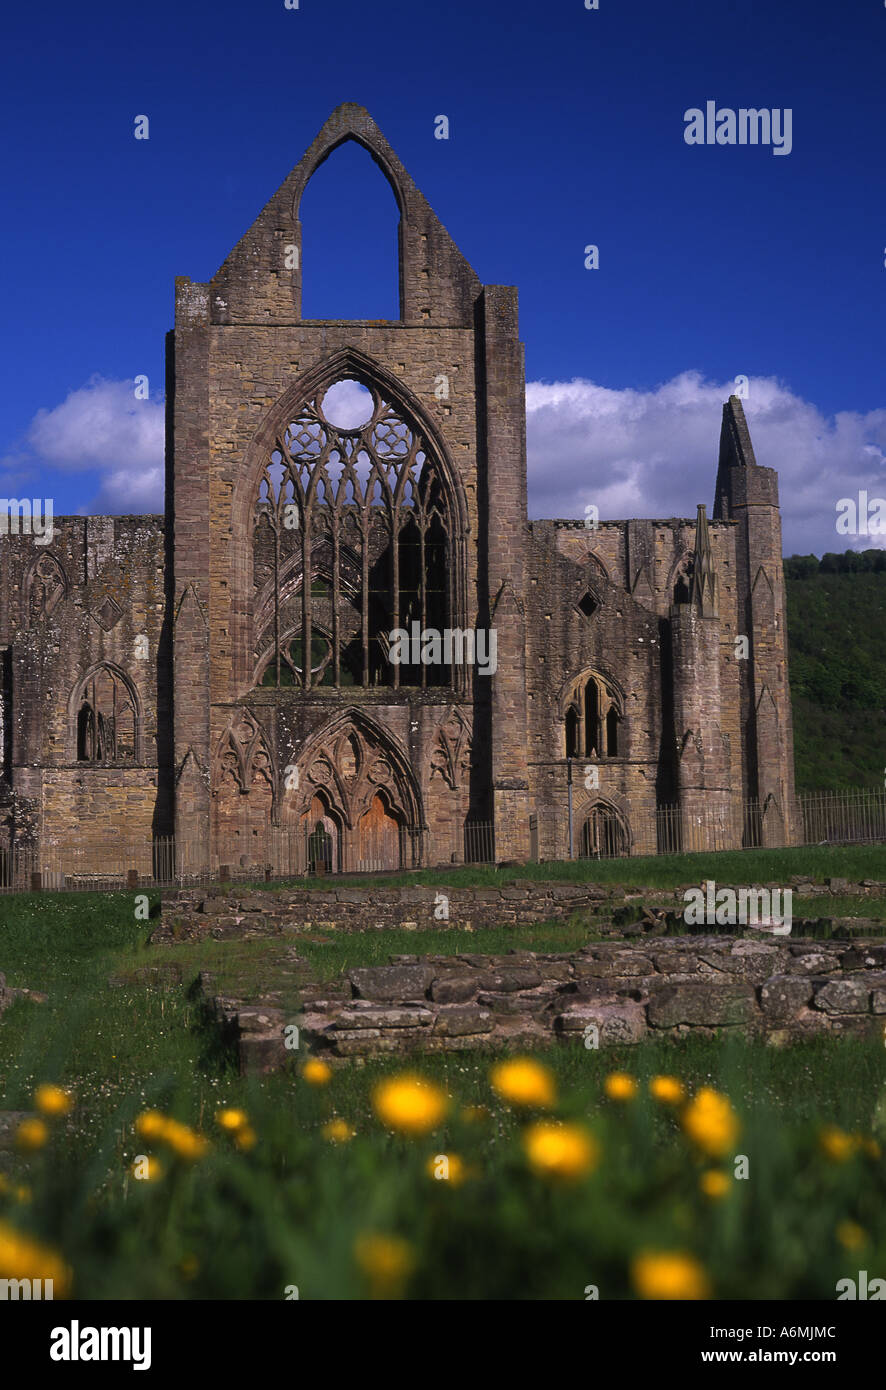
x,y
350,241
683,582
593,720
588,605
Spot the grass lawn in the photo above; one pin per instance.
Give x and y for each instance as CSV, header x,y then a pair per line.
x,y
653,871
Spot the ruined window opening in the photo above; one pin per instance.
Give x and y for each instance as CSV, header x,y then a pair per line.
x,y
588,604
604,835
593,719
350,241
107,720
683,581
612,723
373,529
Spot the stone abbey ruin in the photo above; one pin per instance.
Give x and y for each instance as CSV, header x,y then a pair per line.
x,y
223,675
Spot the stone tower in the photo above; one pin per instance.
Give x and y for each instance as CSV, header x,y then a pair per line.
x,y
747,495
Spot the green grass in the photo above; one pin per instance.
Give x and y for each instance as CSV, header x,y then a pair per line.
x,y
246,1225
651,871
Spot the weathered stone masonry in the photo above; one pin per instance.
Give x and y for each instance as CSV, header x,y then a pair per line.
x,y
644,975
606,994
224,674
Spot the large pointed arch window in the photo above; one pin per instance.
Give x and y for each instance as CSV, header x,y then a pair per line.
x,y
352,497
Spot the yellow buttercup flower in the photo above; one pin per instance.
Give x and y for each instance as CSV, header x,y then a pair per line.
x,y
21,1257
52,1100
338,1131
315,1072
231,1120
446,1168
670,1274
837,1144
189,1266
245,1139
184,1141
620,1086
523,1082
150,1124
31,1135
715,1184
564,1151
711,1123
409,1104
667,1089
850,1235
387,1262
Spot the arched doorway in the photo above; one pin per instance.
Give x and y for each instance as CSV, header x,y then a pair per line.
x,y
604,834
379,838
323,839
354,803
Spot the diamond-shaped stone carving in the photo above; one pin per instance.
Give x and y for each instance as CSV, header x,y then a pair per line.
x,y
108,613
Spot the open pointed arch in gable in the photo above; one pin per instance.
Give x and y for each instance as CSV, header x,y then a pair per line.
x,y
679,584
373,514
265,267
351,203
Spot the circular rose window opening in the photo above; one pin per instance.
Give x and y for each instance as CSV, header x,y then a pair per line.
x,y
292,663
347,405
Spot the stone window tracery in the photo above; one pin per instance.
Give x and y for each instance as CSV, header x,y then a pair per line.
x,y
593,718
47,585
365,511
107,721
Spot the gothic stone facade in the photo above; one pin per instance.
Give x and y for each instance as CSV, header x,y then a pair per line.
x,y
225,673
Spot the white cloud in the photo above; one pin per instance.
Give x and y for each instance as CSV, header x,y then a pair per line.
x,y
101,425
630,452
654,453
126,492
347,404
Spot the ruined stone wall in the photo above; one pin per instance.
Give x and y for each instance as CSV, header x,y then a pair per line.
x,y
628,569
603,995
607,994
147,600
92,598
243,912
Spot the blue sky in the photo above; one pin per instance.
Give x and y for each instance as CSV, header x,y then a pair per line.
x,y
566,128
